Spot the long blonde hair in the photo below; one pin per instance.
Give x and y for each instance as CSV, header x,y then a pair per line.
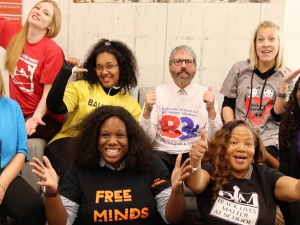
x,y
279,60
2,86
18,42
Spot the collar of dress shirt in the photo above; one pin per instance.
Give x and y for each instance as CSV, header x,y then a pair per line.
x,y
103,163
187,88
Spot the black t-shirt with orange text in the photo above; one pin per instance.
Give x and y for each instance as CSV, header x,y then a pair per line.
x,y
115,197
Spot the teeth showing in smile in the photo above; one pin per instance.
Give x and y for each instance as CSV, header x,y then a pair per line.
x,y
112,150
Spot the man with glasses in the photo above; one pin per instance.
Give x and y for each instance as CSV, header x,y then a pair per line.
x,y
174,113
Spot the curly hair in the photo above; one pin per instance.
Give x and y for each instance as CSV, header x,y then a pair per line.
x,y
217,153
126,62
86,153
290,123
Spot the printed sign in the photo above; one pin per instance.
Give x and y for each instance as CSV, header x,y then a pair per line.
x,y
11,10
15,19
236,207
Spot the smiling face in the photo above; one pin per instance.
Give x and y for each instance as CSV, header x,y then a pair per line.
x,y
41,15
182,75
113,141
109,73
240,151
267,44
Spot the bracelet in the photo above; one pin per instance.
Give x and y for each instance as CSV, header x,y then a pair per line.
x,y
52,194
3,187
283,95
37,111
195,169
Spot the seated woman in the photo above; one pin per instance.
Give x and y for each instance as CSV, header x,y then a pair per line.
x,y
114,178
33,60
232,185
110,72
289,153
18,199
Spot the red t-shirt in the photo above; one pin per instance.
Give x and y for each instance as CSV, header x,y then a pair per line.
x,y
38,65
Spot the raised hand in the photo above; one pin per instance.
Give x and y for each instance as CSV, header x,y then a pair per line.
x,y
46,173
150,100
198,149
180,173
71,61
289,77
209,98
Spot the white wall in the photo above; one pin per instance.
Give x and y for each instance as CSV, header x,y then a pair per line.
x,y
291,30
219,33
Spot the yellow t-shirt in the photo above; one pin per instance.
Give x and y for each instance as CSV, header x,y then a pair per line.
x,y
80,100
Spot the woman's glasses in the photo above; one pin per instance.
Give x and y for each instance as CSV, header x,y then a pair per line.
x,y
107,67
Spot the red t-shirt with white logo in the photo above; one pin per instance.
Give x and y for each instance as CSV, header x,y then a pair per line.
x,y
38,65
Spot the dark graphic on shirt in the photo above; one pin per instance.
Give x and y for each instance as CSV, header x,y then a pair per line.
x,y
236,207
23,77
94,104
260,106
110,215
176,123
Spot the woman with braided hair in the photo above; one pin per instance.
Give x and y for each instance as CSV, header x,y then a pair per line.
x,y
289,150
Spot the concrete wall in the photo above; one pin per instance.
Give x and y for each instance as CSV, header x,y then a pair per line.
x,y
219,33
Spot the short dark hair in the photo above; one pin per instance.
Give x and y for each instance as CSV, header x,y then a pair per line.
x,y
126,62
86,153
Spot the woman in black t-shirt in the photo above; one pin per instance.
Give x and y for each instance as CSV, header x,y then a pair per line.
x,y
231,184
114,178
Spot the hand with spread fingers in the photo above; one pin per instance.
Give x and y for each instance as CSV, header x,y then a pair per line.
x,y
47,174
198,150
179,174
32,123
289,77
150,100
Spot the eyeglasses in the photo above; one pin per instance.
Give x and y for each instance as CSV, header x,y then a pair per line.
x,y
188,62
107,68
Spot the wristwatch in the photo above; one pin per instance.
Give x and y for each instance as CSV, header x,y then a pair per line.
x,y
283,95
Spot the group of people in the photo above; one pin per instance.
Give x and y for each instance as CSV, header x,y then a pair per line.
x,y
109,161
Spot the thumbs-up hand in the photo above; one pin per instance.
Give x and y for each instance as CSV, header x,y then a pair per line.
x,y
198,149
150,100
209,98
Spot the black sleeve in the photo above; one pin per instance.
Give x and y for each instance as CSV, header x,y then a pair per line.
x,y
55,97
229,102
284,161
276,117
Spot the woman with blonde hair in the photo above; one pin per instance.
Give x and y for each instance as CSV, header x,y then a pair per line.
x,y
18,200
33,60
256,89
